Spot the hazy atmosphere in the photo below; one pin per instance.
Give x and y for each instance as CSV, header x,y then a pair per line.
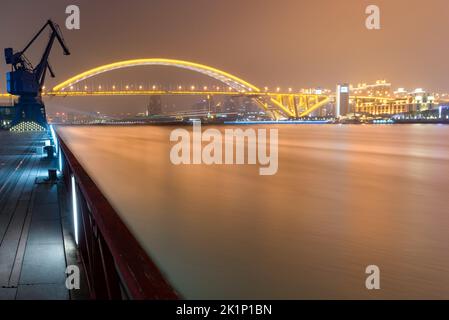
x,y
224,149
268,43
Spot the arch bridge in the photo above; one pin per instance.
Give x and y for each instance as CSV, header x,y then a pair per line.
x,y
279,105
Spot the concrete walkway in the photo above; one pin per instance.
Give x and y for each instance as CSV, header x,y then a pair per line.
x,y
32,254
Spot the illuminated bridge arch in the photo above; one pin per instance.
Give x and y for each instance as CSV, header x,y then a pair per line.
x,y
277,105
226,78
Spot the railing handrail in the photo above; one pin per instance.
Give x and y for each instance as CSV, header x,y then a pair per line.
x,y
142,278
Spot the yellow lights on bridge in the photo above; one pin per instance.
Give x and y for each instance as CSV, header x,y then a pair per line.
x,y
233,83
228,79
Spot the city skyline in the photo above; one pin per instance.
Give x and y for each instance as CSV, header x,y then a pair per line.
x,y
293,43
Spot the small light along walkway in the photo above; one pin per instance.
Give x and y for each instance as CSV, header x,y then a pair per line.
x,y
34,246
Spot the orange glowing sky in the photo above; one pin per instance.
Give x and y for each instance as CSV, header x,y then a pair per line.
x,y
298,43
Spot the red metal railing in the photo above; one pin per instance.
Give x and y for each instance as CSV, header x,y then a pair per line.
x,y
116,265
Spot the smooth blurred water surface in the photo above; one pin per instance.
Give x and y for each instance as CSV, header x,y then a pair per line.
x,y
344,197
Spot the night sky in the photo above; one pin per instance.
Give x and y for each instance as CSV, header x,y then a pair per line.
x,y
287,43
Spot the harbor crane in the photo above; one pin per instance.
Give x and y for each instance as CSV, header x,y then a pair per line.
x,y
27,81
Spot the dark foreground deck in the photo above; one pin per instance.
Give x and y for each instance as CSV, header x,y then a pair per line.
x,y
34,248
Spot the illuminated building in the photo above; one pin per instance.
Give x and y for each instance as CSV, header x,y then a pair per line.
x,y
342,100
379,89
378,99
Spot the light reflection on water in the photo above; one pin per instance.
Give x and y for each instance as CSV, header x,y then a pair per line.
x,y
344,197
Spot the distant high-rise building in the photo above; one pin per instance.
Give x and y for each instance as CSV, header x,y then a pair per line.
x,y
380,88
155,106
211,104
342,100
230,105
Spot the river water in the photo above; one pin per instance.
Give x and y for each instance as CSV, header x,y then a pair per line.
x,y
344,198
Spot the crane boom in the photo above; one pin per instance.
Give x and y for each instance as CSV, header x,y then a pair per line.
x,y
42,67
24,79
27,81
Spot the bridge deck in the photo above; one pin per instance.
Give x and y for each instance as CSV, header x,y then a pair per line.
x,y
32,247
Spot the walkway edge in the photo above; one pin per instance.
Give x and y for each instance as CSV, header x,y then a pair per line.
x,y
138,273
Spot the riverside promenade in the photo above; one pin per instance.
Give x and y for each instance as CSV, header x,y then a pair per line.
x,y
34,248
